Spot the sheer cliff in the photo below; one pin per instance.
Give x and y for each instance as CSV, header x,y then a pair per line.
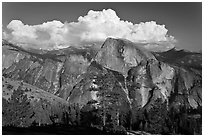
x,y
119,85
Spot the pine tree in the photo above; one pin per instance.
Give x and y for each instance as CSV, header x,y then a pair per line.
x,y
109,100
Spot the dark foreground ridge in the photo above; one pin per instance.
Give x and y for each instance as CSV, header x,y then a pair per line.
x,y
119,89
54,130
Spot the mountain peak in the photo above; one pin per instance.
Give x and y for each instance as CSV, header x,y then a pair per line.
x,y
121,54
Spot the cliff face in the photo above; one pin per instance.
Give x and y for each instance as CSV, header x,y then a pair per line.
x,y
122,83
152,88
145,75
121,55
55,72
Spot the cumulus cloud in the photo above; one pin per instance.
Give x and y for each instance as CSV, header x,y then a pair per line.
x,y
49,34
94,27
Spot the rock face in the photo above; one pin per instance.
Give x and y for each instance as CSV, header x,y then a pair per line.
x,y
92,83
121,84
74,66
120,55
144,73
156,89
55,72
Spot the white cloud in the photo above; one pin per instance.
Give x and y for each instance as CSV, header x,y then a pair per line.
x,y
49,34
95,26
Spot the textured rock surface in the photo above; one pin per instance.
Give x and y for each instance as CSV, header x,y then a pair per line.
x,y
122,83
56,72
74,67
145,74
120,55
152,87
90,86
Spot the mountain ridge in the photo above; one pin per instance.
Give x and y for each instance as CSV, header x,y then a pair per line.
x,y
137,83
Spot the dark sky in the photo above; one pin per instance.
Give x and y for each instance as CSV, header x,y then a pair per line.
x,y
183,20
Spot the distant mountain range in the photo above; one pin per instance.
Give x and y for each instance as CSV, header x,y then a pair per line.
x,y
117,87
181,58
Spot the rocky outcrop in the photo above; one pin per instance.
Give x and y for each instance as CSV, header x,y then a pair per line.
x,y
121,55
154,90
92,84
123,85
145,75
40,73
54,72
74,67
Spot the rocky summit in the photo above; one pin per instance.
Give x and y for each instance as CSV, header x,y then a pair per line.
x,y
118,88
